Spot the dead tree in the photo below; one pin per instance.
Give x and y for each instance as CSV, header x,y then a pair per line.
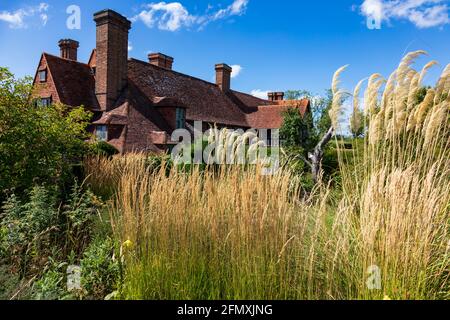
x,y
317,155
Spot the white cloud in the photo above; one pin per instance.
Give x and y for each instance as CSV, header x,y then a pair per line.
x,y
237,69
130,46
260,93
422,13
17,19
167,16
173,16
237,8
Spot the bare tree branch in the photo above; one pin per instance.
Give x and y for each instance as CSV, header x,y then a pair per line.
x,y
317,155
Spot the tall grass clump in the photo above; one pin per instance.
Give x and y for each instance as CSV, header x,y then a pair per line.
x,y
399,190
233,233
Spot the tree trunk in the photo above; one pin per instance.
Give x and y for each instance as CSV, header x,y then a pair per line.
x,y
317,155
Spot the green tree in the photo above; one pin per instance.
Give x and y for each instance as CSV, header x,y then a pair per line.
x,y
321,110
296,130
312,145
37,144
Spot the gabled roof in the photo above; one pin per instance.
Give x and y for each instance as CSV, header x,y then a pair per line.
x,y
74,81
271,116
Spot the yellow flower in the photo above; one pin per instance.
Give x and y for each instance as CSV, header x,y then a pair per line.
x,y
128,244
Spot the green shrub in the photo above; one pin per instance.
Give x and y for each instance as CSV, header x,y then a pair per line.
x,y
38,145
30,232
102,148
100,270
53,283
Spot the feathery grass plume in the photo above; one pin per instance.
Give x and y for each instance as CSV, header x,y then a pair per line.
x,y
443,86
425,69
411,125
413,90
402,94
337,97
422,109
438,116
371,94
375,129
356,120
404,77
388,89
404,66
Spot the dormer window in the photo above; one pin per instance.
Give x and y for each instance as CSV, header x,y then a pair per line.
x,y
43,76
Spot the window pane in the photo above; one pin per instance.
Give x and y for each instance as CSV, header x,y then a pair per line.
x,y
181,118
43,76
102,133
43,102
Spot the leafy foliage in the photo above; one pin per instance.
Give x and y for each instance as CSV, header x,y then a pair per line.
x,y
102,148
30,231
37,145
297,130
100,270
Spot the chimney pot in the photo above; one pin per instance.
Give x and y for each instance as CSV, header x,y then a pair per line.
x,y
69,49
161,60
223,76
276,96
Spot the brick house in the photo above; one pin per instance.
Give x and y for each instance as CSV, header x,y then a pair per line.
x,y
138,104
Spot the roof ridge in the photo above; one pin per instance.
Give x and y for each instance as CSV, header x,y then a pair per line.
x,y
64,59
173,71
190,77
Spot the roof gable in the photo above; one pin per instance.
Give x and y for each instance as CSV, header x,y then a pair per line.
x,y
74,81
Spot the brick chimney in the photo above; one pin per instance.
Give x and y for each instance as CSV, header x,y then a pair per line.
x,y
112,56
69,49
276,96
161,60
223,76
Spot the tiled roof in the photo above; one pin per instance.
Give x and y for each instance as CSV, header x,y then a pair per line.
x,y
151,87
204,100
271,116
73,80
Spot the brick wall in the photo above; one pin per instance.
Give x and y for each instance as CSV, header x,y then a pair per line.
x,y
44,89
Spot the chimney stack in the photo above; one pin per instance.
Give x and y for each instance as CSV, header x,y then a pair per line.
x,y
161,60
69,49
223,76
276,96
112,56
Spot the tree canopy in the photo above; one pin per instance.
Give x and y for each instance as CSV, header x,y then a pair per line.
x,y
38,145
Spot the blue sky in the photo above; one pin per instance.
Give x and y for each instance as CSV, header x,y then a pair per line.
x,y
278,45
